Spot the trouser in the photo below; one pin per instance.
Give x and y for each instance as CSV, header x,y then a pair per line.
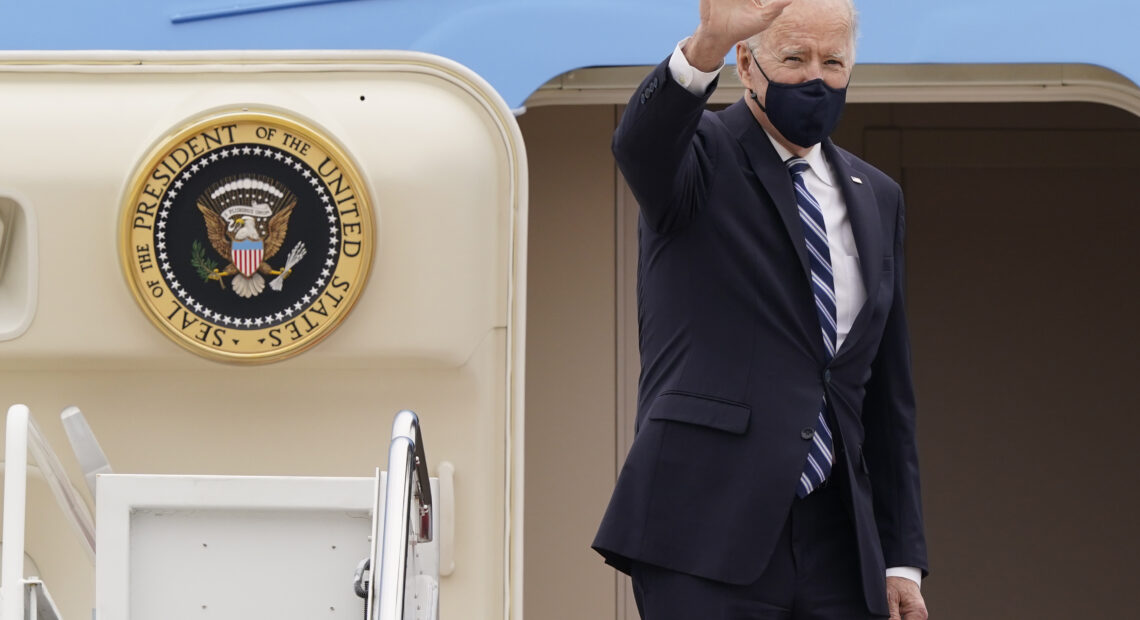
x,y
813,574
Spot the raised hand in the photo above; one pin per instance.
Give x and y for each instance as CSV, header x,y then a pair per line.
x,y
726,22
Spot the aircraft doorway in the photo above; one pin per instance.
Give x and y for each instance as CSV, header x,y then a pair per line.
x,y
1021,224
1021,218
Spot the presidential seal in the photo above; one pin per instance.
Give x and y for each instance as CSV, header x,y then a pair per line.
x,y
246,237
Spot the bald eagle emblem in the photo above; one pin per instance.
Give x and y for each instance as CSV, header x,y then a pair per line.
x,y
247,218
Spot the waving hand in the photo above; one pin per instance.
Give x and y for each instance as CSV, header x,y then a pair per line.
x,y
726,22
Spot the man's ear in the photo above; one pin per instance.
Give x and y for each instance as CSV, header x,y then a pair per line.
x,y
743,64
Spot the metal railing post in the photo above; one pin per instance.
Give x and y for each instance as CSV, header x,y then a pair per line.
x,y
407,500
15,497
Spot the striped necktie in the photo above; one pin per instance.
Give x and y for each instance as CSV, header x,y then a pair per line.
x,y
822,454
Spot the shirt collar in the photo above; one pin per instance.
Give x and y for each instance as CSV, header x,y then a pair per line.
x,y
819,164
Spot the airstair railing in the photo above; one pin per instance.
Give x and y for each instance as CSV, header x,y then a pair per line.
x,y
21,597
408,517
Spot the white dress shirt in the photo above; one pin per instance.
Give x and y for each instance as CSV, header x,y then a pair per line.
x,y
850,292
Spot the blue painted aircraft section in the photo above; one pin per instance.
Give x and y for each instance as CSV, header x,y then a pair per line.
x,y
517,45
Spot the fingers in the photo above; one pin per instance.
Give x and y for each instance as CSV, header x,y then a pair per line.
x,y
914,609
765,12
917,614
740,19
893,602
904,600
775,7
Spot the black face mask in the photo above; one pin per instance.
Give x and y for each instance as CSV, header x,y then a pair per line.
x,y
804,113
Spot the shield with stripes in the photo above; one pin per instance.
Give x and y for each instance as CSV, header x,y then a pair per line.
x,y
247,256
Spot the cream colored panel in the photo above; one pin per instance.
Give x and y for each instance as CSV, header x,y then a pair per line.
x,y
438,329
434,159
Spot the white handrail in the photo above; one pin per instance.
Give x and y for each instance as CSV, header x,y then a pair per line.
x,y
15,492
70,501
23,437
408,517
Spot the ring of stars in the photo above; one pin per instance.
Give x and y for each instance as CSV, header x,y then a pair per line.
x,y
273,318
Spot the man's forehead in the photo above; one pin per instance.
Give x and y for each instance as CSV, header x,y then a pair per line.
x,y
832,31
840,48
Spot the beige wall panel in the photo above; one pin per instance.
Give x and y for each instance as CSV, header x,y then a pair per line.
x,y
431,332
73,163
570,360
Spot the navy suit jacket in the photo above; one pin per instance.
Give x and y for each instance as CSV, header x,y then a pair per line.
x,y
733,364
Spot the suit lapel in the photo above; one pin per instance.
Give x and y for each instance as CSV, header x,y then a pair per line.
x,y
866,226
765,163
862,206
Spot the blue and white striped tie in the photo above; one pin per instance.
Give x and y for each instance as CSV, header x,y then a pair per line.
x,y
822,454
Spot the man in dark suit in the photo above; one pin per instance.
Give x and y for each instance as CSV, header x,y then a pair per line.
x,y
774,473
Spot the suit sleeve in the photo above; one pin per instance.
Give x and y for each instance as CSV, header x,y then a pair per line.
x,y
660,152
890,447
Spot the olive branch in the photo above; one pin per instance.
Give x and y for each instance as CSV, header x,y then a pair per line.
x,y
198,260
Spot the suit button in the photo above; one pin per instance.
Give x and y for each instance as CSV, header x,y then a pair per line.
x,y
827,376
807,434
654,83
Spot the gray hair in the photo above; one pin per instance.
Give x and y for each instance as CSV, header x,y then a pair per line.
x,y
757,39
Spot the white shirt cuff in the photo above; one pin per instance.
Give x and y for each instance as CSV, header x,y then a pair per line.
x,y
691,78
909,572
